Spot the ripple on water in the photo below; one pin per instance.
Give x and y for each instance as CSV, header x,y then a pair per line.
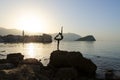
x,y
106,63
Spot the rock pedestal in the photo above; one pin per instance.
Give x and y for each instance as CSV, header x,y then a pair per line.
x,y
66,74
62,59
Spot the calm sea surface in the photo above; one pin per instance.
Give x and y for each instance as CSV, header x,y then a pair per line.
x,y
106,55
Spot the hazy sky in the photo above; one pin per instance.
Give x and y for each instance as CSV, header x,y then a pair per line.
x,y
100,18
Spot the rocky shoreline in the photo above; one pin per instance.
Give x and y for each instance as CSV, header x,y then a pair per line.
x,y
63,65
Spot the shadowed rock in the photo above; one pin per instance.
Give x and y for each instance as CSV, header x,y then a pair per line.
x,y
20,73
63,65
28,69
15,58
3,61
61,59
33,63
66,74
6,66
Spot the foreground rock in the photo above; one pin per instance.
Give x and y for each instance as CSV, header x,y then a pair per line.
x,y
20,73
12,61
63,65
6,66
64,59
27,69
15,58
66,74
87,38
33,63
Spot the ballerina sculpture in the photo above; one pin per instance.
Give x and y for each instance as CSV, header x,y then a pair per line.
x,y
59,37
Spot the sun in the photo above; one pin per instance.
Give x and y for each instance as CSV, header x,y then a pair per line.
x,y
31,23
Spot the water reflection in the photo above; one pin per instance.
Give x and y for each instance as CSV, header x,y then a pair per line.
x,y
35,50
31,50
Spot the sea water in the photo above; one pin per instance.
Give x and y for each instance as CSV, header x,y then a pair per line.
x,y
105,54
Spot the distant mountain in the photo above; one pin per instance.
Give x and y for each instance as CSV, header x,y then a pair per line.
x,y
4,31
68,36
87,38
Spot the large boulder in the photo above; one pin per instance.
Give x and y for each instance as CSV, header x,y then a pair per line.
x,y
3,61
15,58
61,59
66,74
6,66
33,63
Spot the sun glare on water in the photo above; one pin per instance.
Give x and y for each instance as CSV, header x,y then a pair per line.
x,y
31,51
31,23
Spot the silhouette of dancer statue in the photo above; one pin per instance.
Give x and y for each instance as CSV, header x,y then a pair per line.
x,y
59,37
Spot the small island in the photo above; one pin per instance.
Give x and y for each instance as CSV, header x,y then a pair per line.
x,y
86,38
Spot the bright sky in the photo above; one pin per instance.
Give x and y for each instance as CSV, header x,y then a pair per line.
x,y
100,18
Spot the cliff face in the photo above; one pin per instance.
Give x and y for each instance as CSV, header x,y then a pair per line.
x,y
87,38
